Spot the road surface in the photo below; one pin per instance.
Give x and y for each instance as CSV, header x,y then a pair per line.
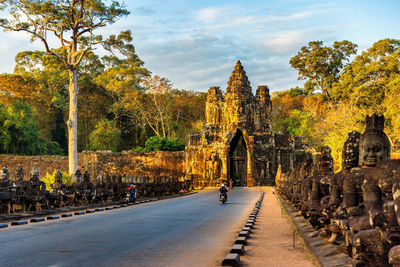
x,y
195,230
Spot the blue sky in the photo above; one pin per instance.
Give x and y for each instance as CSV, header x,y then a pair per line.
x,y
195,44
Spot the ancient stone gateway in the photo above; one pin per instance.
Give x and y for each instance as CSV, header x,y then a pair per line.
x,y
237,141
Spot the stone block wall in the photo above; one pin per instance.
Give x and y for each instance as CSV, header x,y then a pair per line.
x,y
43,163
151,164
134,163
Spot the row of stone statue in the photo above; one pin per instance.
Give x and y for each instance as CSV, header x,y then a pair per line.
x,y
357,209
21,195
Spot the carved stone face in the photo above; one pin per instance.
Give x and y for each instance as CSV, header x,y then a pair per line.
x,y
86,177
58,177
325,164
5,175
20,173
372,151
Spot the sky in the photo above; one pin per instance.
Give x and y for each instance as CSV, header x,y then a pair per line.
x,y
196,43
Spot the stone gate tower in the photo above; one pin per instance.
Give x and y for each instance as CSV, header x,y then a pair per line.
x,y
237,141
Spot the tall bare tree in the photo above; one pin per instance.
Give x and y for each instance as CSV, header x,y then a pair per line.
x,y
74,24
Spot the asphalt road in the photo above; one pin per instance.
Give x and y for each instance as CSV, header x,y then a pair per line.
x,y
195,230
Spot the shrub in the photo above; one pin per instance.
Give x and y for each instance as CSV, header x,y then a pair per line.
x,y
49,179
156,143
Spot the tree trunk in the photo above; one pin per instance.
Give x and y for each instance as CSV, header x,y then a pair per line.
x,y
73,122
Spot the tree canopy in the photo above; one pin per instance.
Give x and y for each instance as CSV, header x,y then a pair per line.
x,y
75,24
321,65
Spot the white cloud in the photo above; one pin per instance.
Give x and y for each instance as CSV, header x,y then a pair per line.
x,y
289,41
285,41
208,15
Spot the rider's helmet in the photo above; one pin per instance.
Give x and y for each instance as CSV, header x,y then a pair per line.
x,y
132,185
222,185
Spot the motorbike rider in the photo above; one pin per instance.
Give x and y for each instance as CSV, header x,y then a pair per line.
x,y
224,191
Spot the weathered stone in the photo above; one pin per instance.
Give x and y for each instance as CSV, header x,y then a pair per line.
x,y
231,260
374,143
241,240
40,219
16,223
238,249
244,233
79,213
237,142
357,208
248,229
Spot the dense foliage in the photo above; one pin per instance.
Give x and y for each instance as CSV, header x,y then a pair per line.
x,y
20,132
105,136
156,143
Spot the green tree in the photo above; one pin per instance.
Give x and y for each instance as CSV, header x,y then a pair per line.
x,y
365,82
121,81
49,95
75,24
20,132
154,105
300,123
105,136
157,143
41,80
283,103
322,65
187,113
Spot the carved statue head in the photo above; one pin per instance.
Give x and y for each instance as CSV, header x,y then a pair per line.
x,y
100,179
58,177
374,143
350,151
34,174
78,176
20,173
86,177
325,162
5,174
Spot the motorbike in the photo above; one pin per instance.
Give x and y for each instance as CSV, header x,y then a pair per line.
x,y
222,198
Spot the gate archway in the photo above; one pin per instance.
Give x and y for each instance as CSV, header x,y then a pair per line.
x,y
237,158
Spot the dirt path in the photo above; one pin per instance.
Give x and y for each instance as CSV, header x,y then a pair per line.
x,y
271,242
